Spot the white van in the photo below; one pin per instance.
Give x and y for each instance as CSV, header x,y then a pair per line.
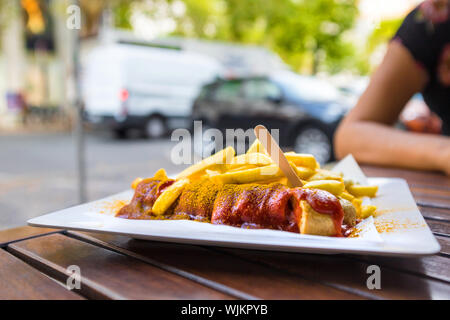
x,y
129,86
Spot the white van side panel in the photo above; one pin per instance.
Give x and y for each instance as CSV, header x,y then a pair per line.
x,y
166,81
159,81
102,82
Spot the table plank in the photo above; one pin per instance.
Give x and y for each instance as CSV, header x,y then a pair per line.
x,y
439,227
227,270
106,274
22,233
346,269
432,192
349,272
414,178
436,266
432,202
435,214
20,281
445,245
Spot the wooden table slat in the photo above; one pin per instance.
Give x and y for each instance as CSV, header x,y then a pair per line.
x,y
343,270
445,245
435,214
432,204
22,233
435,266
424,179
20,281
428,202
252,278
334,271
430,192
106,274
439,227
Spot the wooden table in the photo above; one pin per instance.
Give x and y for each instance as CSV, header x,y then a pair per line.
x,y
33,264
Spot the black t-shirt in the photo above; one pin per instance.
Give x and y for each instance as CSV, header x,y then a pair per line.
x,y
425,32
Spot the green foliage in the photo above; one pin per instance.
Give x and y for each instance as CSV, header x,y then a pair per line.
x,y
121,10
122,15
380,36
8,11
383,33
307,34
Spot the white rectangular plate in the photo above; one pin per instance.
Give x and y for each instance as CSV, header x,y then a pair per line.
x,y
398,229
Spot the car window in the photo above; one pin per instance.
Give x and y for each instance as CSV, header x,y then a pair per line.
x,y
307,88
229,90
261,89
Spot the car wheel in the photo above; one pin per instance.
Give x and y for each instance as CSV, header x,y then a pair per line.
x,y
315,141
155,127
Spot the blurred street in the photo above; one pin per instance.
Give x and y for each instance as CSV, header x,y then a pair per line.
x,y
38,172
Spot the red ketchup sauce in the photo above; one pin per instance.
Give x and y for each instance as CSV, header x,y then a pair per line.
x,y
255,206
144,197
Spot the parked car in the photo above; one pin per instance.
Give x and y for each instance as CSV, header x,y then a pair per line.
x,y
138,87
305,109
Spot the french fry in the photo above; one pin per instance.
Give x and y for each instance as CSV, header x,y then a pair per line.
x,y
322,174
304,173
367,211
211,173
255,158
258,174
357,203
284,181
257,147
348,183
218,158
303,160
160,175
242,167
332,186
347,196
362,191
168,196
136,182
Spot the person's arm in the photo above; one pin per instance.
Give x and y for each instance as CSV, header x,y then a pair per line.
x,y
367,130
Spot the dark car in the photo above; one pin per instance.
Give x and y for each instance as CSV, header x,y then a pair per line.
x,y
306,110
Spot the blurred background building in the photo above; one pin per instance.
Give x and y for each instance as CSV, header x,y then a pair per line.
x,y
36,54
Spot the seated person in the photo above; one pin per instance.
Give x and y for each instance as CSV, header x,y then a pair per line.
x,y
417,60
